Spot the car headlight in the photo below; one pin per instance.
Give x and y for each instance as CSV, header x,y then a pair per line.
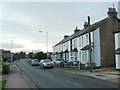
x,y
44,64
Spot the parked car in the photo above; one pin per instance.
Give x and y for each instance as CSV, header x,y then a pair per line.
x,y
58,61
34,62
29,60
46,63
87,65
75,63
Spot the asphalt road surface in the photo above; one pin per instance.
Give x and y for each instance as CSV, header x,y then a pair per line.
x,y
53,78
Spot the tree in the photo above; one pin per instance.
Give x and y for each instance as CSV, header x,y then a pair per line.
x,y
30,55
20,55
40,55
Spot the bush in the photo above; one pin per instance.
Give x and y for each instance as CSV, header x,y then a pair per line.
x,y
5,67
2,84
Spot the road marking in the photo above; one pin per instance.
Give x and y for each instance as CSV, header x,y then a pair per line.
x,y
72,82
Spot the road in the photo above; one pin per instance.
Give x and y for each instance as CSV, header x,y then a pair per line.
x,y
53,78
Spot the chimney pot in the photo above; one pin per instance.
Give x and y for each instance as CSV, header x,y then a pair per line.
x,y
66,36
86,25
76,30
112,12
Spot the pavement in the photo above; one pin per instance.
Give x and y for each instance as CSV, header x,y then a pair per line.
x,y
112,76
16,78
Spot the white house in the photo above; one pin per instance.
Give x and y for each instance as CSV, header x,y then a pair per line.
x,y
66,50
76,46
117,42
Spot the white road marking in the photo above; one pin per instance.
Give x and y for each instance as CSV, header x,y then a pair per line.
x,y
72,82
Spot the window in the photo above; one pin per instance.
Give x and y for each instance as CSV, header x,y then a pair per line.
x,y
76,55
85,54
79,42
71,45
75,43
71,56
82,40
71,53
86,39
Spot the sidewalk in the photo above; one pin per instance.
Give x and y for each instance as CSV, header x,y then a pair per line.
x,y
15,79
113,76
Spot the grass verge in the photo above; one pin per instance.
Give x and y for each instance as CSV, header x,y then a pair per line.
x,y
2,84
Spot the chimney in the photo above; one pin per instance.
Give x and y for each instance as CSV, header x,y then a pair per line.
x,y
76,30
112,12
86,25
66,36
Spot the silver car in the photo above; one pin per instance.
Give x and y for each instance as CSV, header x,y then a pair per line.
x,y
46,63
34,62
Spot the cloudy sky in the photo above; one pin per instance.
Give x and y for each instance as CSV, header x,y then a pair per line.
x,y
20,21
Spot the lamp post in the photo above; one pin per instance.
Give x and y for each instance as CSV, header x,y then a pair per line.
x,y
46,41
11,51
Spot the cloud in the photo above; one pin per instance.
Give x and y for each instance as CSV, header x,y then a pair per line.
x,y
8,45
59,0
21,22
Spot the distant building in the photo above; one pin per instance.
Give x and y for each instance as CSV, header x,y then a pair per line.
x,y
76,46
5,55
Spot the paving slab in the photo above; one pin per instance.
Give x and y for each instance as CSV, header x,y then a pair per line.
x,y
15,79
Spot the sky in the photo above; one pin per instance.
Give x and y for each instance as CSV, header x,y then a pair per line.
x,y
21,21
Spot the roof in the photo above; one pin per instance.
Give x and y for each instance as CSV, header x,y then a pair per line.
x,y
84,31
92,27
68,38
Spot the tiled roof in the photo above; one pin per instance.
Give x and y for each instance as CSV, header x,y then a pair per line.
x,y
84,31
92,27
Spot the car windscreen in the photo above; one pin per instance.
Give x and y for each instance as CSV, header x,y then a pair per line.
x,y
58,59
36,60
47,60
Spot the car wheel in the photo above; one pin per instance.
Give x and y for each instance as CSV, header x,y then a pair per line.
x,y
52,67
43,67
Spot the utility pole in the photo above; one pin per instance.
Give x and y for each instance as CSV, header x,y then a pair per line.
x,y
90,50
46,41
11,51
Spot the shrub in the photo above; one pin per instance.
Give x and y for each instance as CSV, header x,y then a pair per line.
x,y
5,67
2,84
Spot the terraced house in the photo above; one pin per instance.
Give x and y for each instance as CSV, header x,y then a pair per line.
x,y
101,42
117,42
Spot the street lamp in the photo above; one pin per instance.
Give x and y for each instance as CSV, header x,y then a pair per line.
x,y
46,41
11,51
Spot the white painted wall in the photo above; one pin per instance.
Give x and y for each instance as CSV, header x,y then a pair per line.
x,y
83,56
119,9
117,45
97,47
117,41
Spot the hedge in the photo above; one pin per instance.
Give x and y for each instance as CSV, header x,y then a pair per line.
x,y
2,84
5,67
